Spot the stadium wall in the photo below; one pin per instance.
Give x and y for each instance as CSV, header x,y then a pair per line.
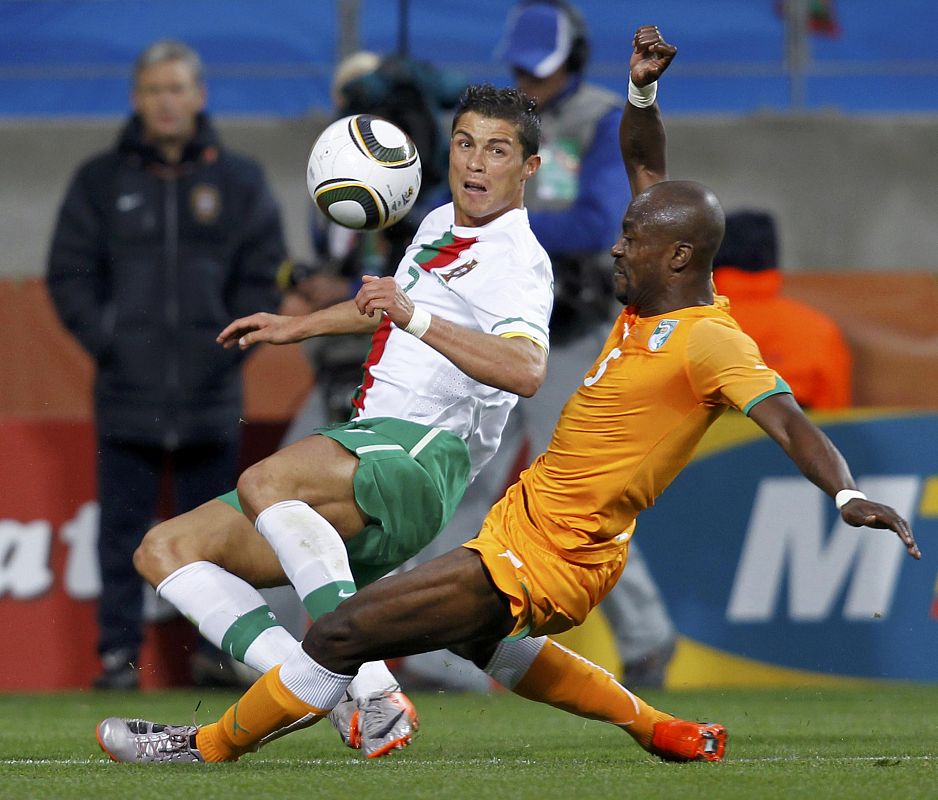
x,y
849,193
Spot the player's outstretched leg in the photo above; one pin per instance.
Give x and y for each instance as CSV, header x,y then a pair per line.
x,y
542,670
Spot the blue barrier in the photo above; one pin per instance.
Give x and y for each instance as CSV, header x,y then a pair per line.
x,y
753,560
73,57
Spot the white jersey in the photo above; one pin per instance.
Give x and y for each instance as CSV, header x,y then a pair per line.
x,y
496,279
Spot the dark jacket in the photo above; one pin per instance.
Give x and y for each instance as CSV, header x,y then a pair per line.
x,y
148,263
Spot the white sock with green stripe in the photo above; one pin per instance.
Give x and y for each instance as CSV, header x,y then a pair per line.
x,y
313,555
229,612
311,552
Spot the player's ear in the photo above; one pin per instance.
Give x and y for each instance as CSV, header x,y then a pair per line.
x,y
531,165
681,255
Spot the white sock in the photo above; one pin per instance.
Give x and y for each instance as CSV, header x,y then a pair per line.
x,y
311,552
311,682
512,659
373,677
316,561
229,612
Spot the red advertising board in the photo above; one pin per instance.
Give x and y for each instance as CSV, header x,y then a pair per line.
x,y
48,570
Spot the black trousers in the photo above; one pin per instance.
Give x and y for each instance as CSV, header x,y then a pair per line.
x,y
129,482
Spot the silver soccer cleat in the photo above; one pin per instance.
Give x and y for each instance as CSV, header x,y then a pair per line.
x,y
387,721
344,718
376,724
137,741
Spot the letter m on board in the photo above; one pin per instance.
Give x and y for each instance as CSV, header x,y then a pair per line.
x,y
786,536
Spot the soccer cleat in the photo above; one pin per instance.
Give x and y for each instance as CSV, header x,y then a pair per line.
x,y
385,721
680,740
137,741
344,718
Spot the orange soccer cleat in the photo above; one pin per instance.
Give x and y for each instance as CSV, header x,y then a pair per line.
x,y
681,740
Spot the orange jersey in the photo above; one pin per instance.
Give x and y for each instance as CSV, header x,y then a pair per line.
x,y
633,424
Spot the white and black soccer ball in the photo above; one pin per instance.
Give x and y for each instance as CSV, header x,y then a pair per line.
x,y
364,172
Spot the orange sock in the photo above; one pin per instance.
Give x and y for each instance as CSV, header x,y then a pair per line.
x,y
267,706
563,679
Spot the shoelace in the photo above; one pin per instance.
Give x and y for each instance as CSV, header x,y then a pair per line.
x,y
166,743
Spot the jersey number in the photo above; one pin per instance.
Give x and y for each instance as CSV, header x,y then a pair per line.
x,y
415,274
589,380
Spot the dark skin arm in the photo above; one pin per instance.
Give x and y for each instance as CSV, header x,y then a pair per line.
x,y
822,464
641,132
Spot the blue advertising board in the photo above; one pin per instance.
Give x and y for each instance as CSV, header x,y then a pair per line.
x,y
754,561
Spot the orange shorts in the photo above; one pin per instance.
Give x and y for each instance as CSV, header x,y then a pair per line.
x,y
548,593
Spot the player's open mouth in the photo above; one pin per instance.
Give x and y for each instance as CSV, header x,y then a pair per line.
x,y
474,187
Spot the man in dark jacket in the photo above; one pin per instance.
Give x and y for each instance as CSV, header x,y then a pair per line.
x,y
159,243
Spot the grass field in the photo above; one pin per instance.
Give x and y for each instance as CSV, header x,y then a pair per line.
x,y
881,742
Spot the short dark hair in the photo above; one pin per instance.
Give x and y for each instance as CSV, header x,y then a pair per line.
x,y
168,50
508,104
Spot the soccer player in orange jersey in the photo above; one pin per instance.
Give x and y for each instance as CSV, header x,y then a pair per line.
x,y
557,541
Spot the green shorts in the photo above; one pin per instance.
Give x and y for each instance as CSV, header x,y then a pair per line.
x,y
409,480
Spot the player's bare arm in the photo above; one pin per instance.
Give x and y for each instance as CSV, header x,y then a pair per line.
x,y
514,364
641,133
279,329
821,462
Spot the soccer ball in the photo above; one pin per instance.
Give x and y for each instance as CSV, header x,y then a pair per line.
x,y
364,172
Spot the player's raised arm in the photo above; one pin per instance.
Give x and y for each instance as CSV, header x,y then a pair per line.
x,y
822,463
641,133
278,329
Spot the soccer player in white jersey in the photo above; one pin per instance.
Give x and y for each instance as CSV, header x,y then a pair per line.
x,y
459,333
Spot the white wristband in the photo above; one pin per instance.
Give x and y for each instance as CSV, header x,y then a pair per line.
x,y
643,96
419,322
844,496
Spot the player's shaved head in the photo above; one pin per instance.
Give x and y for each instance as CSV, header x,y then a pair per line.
x,y
686,211
664,258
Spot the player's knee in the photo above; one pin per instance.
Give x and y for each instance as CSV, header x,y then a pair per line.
x,y
159,553
337,641
479,652
258,487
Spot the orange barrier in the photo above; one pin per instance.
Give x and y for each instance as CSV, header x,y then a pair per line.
x,y
888,319
48,375
890,322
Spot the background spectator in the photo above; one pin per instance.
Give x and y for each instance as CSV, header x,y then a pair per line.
x,y
160,241
801,343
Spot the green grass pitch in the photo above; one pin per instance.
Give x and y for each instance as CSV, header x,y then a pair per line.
x,y
815,744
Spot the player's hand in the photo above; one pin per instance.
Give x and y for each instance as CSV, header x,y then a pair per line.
x,y
384,295
262,327
859,513
651,55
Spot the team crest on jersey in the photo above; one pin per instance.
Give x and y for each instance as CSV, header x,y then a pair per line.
x,y
205,202
661,334
458,272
